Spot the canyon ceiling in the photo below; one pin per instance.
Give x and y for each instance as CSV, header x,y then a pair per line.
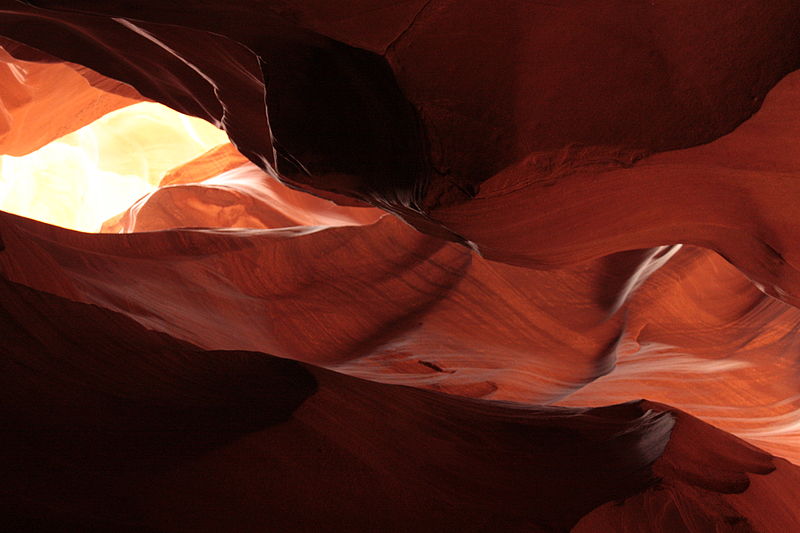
x,y
429,265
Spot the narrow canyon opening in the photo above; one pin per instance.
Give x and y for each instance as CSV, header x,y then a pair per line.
x,y
400,266
86,177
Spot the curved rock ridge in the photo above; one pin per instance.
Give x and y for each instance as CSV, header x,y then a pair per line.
x,y
698,335
597,73
30,90
219,81
523,218
222,189
385,303
688,499
112,425
732,195
422,134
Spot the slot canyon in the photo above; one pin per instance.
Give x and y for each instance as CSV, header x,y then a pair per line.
x,y
400,266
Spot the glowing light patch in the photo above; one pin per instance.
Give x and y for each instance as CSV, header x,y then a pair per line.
x,y
84,178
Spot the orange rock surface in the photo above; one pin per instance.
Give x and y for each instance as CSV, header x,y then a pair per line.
x,y
32,90
464,266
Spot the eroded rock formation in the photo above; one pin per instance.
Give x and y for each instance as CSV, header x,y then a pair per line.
x,y
466,266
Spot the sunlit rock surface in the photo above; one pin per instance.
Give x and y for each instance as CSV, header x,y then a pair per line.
x,y
81,179
474,266
45,98
222,189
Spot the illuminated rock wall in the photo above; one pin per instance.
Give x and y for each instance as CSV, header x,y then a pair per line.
x,y
475,266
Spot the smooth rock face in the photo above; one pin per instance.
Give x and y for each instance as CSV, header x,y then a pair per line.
x,y
450,248
31,90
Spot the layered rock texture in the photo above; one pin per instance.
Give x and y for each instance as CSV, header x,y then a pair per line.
x,y
463,266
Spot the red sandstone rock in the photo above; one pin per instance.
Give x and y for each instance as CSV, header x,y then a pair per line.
x,y
112,425
32,90
572,145
221,189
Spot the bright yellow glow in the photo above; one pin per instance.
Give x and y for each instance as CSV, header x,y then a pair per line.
x,y
84,178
